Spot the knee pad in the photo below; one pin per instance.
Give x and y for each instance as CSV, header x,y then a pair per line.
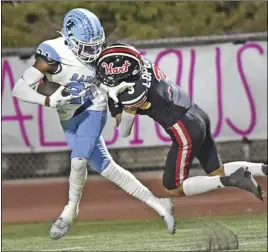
x,y
79,164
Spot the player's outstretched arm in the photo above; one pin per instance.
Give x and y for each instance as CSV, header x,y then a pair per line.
x,y
124,118
126,122
24,87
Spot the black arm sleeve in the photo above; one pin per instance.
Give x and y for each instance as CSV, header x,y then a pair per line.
x,y
115,108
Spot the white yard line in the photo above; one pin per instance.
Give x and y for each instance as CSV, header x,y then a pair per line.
x,y
63,249
253,242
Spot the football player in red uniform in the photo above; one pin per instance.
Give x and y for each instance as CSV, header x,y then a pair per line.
x,y
185,122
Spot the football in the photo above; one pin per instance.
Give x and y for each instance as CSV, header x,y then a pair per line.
x,y
49,88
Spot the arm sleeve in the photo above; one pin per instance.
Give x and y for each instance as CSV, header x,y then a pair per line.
x,y
23,88
114,108
125,126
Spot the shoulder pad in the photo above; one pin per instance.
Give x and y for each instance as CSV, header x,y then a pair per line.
x,y
48,53
134,96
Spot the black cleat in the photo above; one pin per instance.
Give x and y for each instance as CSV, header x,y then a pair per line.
x,y
243,179
264,169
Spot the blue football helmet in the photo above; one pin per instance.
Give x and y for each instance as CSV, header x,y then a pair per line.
x,y
83,33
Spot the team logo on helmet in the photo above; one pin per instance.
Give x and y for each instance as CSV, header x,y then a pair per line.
x,y
110,69
83,34
70,24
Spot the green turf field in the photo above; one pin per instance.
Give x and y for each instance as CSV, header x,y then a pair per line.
x,y
136,236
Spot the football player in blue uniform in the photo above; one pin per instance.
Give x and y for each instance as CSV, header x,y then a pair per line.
x,y
69,61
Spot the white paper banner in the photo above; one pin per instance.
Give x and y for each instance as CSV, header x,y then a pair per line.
x,y
228,81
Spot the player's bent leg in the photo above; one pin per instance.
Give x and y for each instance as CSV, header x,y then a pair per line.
x,y
241,178
201,184
233,174
190,186
177,184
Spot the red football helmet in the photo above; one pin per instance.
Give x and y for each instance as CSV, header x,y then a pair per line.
x,y
117,63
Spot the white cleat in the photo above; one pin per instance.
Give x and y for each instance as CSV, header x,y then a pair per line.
x,y
168,216
61,226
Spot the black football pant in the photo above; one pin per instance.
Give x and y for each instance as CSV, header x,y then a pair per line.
x,y
191,137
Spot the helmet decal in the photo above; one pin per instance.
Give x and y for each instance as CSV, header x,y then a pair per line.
x,y
110,69
118,63
70,24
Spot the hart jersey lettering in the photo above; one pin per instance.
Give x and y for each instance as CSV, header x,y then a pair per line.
x,y
110,69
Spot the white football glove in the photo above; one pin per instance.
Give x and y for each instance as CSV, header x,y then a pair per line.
x,y
56,99
113,92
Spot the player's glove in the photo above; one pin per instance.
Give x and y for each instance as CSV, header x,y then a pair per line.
x,y
113,92
56,99
115,108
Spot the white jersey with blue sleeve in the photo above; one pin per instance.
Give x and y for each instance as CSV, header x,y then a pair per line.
x,y
74,75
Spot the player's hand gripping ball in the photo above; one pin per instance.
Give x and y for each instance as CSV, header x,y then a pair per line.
x,y
56,94
49,88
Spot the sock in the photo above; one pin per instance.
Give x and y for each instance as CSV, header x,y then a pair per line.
x,y
130,184
201,184
77,180
256,169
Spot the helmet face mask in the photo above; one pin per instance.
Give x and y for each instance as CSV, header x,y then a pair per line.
x,y
83,33
118,63
87,52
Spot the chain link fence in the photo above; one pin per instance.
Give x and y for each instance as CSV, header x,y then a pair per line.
x,y
57,164
18,166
